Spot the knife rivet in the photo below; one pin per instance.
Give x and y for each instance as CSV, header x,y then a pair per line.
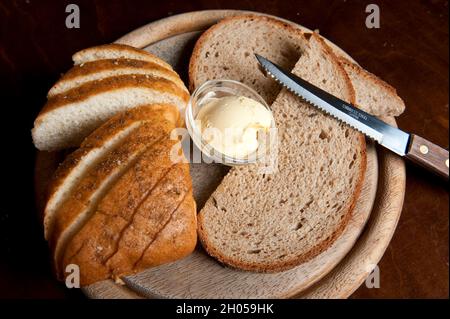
x,y
423,149
446,162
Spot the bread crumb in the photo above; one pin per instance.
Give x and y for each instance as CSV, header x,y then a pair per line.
x,y
119,281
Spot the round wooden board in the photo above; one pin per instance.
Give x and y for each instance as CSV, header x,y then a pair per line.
x,y
335,273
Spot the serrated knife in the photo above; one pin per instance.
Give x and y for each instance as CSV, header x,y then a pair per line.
x,y
411,146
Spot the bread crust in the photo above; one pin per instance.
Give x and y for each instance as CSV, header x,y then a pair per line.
x,y
183,225
323,245
88,68
195,57
123,48
123,229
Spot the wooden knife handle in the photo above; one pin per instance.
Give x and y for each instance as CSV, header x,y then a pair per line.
x,y
428,155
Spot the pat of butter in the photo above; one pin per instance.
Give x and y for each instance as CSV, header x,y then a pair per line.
x,y
230,124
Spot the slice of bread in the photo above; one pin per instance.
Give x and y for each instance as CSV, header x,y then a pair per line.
x,y
226,51
100,69
93,150
273,222
75,166
372,94
67,119
116,51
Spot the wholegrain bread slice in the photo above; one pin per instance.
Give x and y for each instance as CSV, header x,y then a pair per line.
x,y
80,203
273,222
68,118
372,94
100,69
116,51
226,51
94,148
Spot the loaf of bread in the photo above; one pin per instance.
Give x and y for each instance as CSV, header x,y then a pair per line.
x,y
272,222
119,204
106,80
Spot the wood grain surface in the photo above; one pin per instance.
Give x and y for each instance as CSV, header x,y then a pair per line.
x,y
410,51
428,155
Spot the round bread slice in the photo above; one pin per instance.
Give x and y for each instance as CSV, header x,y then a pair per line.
x,y
116,51
67,119
270,221
226,51
100,69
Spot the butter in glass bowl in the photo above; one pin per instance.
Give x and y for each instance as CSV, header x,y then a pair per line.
x,y
230,123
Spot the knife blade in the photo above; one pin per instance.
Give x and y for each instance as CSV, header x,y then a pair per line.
x,y
411,146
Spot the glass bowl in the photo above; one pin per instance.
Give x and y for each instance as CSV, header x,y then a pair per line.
x,y
217,89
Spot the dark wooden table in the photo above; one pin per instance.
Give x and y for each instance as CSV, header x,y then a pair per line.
x,y
410,50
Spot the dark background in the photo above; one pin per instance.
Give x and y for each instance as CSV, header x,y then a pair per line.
x,y
410,51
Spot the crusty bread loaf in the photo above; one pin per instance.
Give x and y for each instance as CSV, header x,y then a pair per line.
x,y
79,205
272,222
372,94
100,69
93,150
116,51
134,214
226,50
68,118
124,200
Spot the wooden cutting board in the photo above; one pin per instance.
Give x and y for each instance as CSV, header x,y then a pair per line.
x,y
335,273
